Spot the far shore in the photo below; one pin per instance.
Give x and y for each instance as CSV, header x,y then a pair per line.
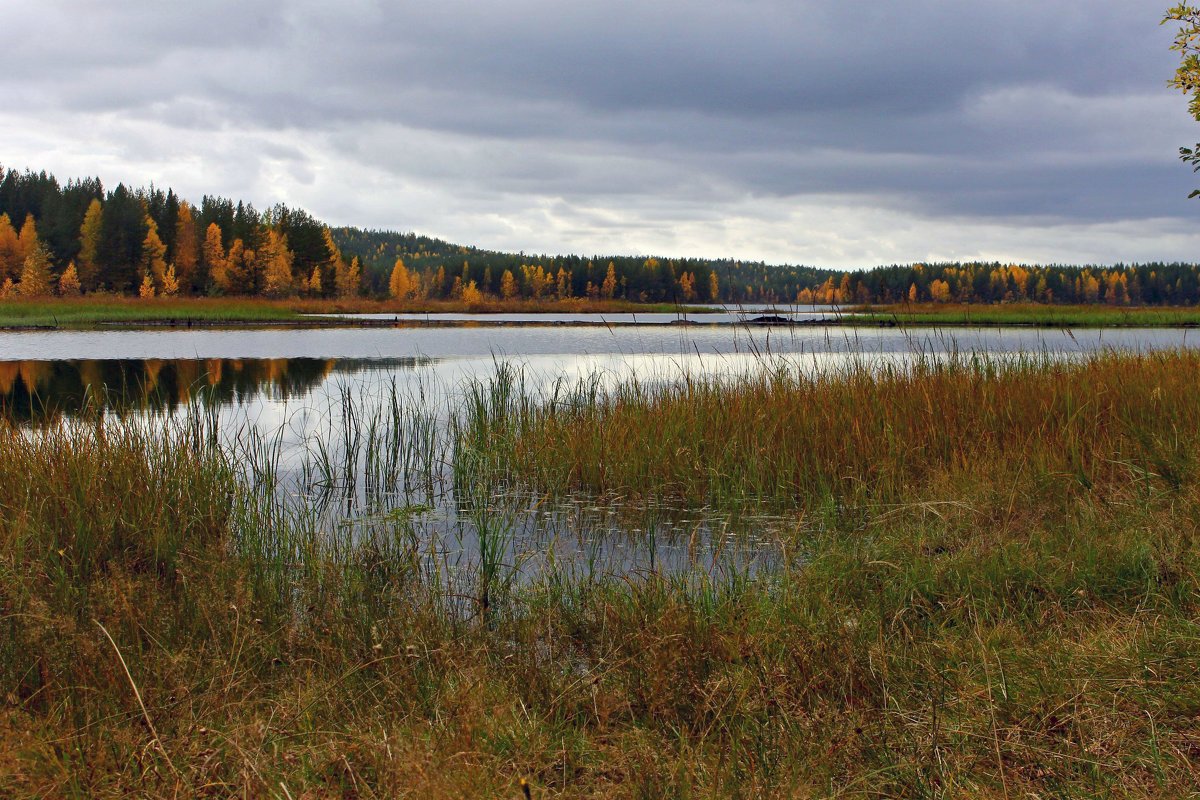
x,y
93,312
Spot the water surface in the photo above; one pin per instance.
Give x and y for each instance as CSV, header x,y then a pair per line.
x,y
349,424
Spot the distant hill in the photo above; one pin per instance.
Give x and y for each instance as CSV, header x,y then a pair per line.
x,y
655,279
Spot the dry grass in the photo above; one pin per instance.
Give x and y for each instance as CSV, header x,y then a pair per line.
x,y
973,643
1044,428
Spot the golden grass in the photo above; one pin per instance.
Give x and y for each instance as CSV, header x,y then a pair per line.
x,y
965,640
863,435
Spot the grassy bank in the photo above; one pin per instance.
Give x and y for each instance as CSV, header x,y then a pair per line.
x,y
86,312
963,630
1033,314
1043,428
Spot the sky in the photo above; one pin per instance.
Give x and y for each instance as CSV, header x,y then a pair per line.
x,y
818,132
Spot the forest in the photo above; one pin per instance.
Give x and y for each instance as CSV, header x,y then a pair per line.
x,y
78,238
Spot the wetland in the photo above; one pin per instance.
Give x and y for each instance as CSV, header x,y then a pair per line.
x,y
608,560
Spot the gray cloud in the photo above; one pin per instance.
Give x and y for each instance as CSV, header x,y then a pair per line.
x,y
554,120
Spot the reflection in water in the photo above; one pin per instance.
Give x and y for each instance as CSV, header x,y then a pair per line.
x,y
351,432
44,391
364,449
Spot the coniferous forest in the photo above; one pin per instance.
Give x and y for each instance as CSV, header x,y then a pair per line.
x,y
80,238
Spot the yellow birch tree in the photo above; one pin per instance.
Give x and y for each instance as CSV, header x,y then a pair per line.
x,y
508,285
187,247
277,280
154,255
399,285
28,238
609,287
349,278
471,294
213,253
68,284
35,272
89,245
10,250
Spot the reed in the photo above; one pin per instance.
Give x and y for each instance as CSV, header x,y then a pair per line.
x,y
1037,428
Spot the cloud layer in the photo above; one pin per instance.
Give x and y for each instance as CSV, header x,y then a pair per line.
x,y
806,131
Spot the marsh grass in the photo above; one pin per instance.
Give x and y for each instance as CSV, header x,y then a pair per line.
x,y
968,639
1032,428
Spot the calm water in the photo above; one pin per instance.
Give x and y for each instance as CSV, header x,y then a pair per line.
x,y
715,315
318,406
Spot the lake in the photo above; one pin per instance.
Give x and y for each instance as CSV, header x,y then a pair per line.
x,y
310,411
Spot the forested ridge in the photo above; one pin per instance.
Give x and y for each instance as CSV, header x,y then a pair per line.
x,y
79,238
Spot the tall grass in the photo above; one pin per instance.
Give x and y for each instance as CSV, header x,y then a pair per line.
x,y
221,642
1026,426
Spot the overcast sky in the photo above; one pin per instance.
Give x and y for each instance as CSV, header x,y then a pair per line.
x,y
817,132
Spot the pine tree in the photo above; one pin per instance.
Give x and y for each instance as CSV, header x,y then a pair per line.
x,y
68,284
122,235
35,273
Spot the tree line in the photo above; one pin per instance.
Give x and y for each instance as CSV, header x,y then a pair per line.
x,y
1122,284
78,238
75,238
432,268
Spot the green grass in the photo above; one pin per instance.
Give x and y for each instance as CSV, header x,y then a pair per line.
x,y
95,310
1034,314
91,311
968,629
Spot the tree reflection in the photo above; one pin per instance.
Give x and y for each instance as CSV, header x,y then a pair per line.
x,y
44,391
